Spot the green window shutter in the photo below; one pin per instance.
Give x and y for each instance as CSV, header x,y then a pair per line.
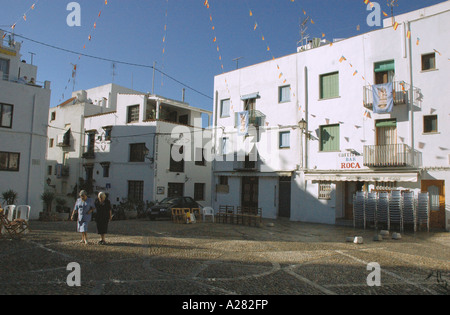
x,y
385,66
329,85
386,123
329,138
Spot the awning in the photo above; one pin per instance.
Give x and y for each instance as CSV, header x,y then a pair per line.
x,y
250,96
254,174
363,177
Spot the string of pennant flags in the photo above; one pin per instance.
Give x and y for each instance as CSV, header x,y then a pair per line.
x,y
164,41
22,18
75,65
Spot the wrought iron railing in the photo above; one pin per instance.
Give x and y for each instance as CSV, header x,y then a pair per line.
x,y
388,155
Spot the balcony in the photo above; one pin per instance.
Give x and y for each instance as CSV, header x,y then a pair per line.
x,y
390,155
248,165
88,153
400,89
255,118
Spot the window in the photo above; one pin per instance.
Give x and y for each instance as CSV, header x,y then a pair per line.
x,y
430,124
225,108
384,71
51,143
329,138
137,152
199,191
429,62
223,180
176,165
224,148
108,131
49,170
6,115
4,67
329,85
325,190
9,161
285,139
133,114
135,190
53,116
200,157
284,94
105,166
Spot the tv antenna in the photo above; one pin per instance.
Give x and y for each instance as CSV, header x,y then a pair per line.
x,y
114,73
303,35
392,4
32,54
237,61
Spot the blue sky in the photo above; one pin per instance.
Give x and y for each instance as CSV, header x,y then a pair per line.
x,y
132,31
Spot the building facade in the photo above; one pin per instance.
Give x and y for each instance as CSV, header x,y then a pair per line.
x,y
317,133
24,105
66,137
148,149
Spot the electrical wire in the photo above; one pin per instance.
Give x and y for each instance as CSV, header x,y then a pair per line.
x,y
114,61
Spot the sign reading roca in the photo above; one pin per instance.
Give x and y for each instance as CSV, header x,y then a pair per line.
x,y
350,161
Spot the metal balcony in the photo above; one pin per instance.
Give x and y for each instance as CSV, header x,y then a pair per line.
x,y
388,155
400,89
88,153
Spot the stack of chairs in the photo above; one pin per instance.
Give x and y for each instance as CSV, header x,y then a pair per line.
x,y
226,214
359,216
423,210
396,209
371,208
383,210
15,228
409,212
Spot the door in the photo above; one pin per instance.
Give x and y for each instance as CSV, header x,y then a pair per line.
x,y
284,197
249,196
386,150
350,190
175,190
435,189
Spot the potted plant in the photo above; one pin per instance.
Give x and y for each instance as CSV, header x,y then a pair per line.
x,y
47,197
9,197
61,209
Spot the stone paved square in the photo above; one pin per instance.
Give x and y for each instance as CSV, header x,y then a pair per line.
x,y
162,258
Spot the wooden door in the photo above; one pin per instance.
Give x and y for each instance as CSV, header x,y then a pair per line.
x,y
250,192
284,197
436,191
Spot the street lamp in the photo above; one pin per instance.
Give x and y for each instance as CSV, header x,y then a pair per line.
x,y
302,124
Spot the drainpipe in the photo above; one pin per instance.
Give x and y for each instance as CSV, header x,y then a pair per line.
x,y
29,153
411,97
305,165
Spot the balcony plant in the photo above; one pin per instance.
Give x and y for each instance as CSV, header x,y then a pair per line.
x,y
9,197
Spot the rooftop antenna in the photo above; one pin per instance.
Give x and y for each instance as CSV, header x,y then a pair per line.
x,y
237,61
32,54
303,35
113,66
392,4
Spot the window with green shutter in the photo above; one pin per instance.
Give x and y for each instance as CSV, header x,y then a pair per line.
x,y
329,85
329,138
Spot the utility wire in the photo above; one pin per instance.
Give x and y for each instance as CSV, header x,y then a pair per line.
x,y
114,61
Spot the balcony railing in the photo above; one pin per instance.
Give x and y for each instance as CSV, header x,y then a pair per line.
x,y
400,91
389,155
88,153
255,118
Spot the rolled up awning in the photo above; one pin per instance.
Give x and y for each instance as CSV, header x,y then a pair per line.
x,y
363,177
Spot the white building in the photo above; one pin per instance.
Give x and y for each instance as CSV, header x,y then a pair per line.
x,y
66,136
311,174
131,153
24,104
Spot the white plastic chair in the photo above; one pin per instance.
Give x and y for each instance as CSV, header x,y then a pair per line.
x,y
23,212
208,211
10,212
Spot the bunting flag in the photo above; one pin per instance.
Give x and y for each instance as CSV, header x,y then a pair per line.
x,y
395,26
24,16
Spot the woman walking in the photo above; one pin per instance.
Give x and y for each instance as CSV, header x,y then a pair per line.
x,y
103,216
84,206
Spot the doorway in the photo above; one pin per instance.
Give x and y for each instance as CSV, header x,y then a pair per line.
x,y
284,197
350,189
436,191
249,197
175,190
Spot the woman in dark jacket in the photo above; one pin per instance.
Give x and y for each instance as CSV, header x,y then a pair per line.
x,y
103,216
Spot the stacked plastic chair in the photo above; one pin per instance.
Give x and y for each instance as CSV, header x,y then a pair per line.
x,y
371,208
423,210
409,212
396,209
383,210
359,217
